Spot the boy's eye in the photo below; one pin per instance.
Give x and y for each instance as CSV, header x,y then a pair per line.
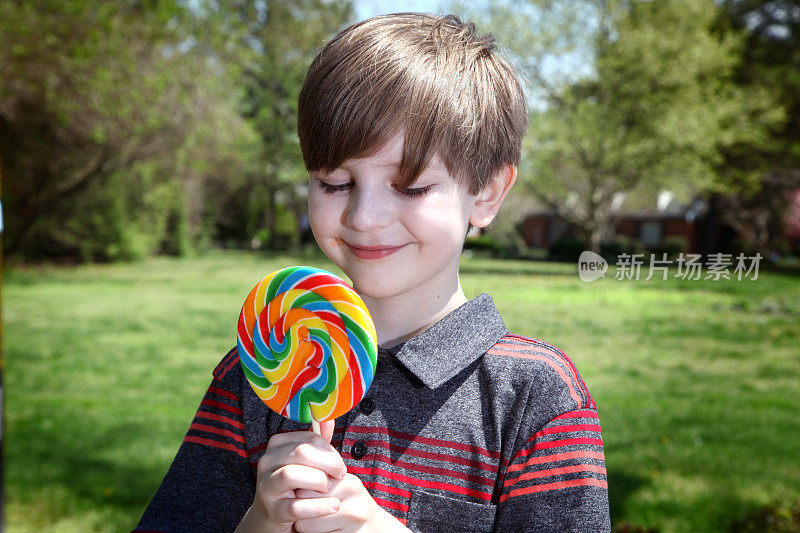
x,y
416,191
330,188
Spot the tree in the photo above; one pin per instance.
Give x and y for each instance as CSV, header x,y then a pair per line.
x,y
280,39
655,107
769,60
97,102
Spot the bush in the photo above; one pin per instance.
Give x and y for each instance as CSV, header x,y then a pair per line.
x,y
620,245
286,232
567,248
741,245
673,245
776,518
781,246
485,244
627,527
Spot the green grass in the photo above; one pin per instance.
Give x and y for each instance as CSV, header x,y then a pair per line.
x,y
696,381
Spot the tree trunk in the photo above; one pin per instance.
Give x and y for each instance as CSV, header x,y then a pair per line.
x,y
271,218
595,235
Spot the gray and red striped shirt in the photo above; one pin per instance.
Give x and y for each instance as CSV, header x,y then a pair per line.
x,y
466,428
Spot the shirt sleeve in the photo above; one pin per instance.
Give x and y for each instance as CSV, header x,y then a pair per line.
x,y
557,480
210,484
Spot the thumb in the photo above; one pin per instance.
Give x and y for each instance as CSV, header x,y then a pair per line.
x,y
326,429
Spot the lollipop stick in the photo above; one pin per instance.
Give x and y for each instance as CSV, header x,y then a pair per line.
x,y
315,426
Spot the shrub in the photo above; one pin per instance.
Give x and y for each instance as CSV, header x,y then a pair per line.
x,y
775,518
622,244
567,248
781,246
673,245
484,244
627,527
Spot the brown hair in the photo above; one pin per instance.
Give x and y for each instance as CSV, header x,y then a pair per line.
x,y
434,78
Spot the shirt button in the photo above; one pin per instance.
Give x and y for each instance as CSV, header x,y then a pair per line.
x,y
359,450
367,406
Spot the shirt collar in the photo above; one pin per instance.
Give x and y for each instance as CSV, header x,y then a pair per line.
x,y
451,344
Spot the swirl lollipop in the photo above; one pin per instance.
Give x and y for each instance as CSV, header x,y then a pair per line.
x,y
307,344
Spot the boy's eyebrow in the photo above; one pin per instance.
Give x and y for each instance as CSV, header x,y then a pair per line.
x,y
434,164
393,165
390,163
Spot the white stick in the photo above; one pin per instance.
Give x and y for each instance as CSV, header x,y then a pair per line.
x,y
315,426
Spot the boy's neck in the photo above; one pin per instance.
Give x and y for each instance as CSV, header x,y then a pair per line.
x,y
400,318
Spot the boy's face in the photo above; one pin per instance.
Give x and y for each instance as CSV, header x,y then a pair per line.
x,y
388,242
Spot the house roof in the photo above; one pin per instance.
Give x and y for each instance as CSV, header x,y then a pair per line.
x,y
665,204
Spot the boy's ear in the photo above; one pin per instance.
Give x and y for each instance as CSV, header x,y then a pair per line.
x,y
489,200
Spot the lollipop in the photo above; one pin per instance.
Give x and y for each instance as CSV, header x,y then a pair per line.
x,y
307,344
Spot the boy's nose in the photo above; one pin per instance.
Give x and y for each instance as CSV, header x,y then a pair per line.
x,y
367,211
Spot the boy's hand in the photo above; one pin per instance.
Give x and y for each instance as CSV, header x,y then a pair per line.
x,y
294,461
358,512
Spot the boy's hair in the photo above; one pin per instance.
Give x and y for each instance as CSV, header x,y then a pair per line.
x,y
434,78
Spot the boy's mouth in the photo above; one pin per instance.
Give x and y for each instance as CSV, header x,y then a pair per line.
x,y
372,252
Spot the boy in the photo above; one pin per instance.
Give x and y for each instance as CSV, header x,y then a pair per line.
x,y
410,127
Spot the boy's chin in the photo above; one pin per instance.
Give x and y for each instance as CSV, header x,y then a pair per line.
x,y
369,290
378,289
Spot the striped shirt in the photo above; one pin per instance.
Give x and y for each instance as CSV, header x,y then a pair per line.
x,y
466,428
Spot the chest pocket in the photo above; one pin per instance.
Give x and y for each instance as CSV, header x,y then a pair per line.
x,y
429,512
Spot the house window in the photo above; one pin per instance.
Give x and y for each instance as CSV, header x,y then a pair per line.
x,y
650,233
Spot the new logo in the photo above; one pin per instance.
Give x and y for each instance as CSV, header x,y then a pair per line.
x,y
591,266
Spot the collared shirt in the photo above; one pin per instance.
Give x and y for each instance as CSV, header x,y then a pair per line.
x,y
466,427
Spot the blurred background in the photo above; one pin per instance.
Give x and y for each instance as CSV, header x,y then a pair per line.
x,y
150,174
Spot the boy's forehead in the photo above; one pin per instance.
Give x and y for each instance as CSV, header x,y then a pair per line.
x,y
389,154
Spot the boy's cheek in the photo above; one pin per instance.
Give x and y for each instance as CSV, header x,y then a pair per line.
x,y
318,217
323,207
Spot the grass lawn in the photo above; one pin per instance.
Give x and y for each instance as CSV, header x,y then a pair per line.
x,y
696,381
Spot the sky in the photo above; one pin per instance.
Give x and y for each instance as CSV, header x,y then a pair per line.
x,y
367,8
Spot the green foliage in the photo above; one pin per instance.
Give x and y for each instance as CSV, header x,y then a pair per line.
x,y
627,527
673,245
567,248
129,128
759,210
98,99
774,518
621,244
286,232
656,104
505,229
769,61
484,244
282,39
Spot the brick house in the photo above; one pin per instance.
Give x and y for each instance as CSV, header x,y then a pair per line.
x,y
650,224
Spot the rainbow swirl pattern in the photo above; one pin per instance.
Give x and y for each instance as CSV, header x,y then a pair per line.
x,y
307,344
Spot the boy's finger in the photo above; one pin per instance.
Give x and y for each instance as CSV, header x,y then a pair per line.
x,y
305,493
296,437
294,477
326,429
306,508
320,524
290,510
303,453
